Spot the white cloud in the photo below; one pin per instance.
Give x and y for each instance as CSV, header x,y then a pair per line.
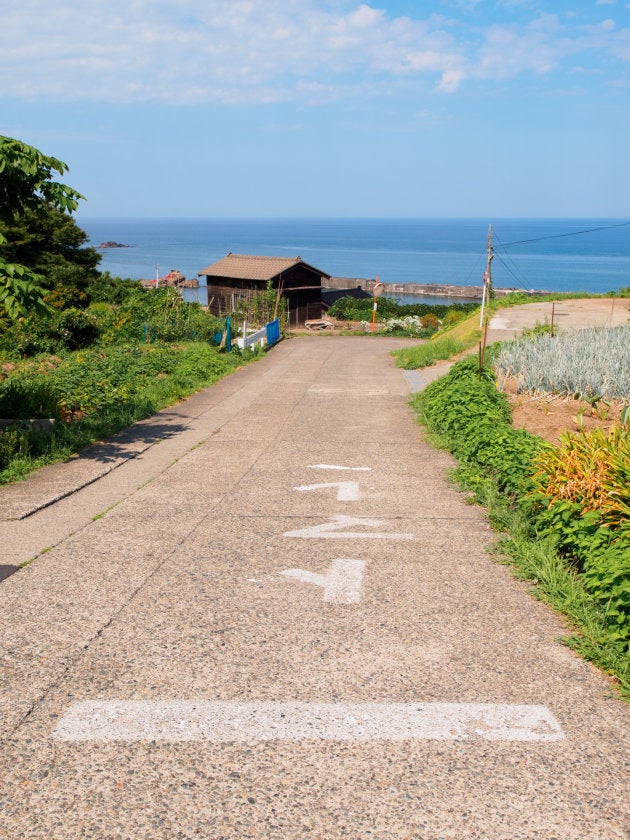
x,y
222,50
240,51
510,50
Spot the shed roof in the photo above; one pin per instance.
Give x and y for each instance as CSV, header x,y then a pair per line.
x,y
246,267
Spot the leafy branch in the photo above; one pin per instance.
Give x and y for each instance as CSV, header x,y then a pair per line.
x,y
20,292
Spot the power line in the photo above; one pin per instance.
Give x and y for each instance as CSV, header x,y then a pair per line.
x,y
573,233
513,270
520,282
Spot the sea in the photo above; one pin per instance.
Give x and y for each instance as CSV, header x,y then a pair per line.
x,y
559,255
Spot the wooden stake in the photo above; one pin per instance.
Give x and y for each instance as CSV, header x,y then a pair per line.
x,y
483,346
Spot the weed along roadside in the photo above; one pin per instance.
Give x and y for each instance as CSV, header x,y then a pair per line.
x,y
562,509
96,392
76,378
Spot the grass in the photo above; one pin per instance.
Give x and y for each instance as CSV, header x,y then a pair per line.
x,y
442,346
108,406
559,586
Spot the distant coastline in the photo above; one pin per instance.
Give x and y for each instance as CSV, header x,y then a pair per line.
x,y
423,289
113,245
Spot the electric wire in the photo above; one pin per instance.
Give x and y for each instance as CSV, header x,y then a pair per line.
x,y
571,233
512,270
519,280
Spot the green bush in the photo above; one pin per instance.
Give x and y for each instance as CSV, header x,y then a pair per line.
x,y
586,555
96,392
607,578
13,444
65,329
28,395
474,418
122,313
360,309
76,328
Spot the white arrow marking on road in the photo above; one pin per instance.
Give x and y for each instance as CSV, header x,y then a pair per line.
x,y
333,530
336,467
222,721
342,584
347,491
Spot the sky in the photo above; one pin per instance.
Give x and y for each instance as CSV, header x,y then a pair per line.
x,y
326,108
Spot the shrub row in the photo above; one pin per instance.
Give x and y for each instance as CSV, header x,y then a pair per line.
x,y
584,534
360,309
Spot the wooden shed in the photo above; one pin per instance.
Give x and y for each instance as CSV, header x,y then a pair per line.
x,y
240,275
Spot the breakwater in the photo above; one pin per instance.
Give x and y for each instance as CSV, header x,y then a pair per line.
x,y
419,289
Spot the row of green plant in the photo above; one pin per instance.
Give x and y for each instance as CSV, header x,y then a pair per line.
x,y
564,511
348,308
96,392
592,363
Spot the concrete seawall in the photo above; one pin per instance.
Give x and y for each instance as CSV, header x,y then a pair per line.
x,y
420,289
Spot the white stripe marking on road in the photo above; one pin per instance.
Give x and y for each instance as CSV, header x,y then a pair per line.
x,y
221,721
342,584
337,467
332,530
347,491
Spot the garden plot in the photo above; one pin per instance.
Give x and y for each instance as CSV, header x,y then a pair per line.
x,y
573,380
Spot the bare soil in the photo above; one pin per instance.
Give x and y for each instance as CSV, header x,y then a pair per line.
x,y
548,416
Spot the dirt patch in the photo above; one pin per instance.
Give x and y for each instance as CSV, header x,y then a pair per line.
x,y
548,416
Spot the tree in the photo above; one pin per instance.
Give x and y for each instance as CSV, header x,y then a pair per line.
x,y
27,183
51,244
26,180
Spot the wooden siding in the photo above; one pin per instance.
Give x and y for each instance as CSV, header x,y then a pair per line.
x,y
300,285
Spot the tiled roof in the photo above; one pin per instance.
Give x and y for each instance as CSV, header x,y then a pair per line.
x,y
250,267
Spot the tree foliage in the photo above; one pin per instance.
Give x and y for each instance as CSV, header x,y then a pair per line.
x,y
28,185
20,292
51,244
27,180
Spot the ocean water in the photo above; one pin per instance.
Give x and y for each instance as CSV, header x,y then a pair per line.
x,y
565,255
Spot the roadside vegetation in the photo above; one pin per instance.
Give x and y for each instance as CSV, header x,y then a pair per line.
x,y
417,320
91,352
93,394
449,341
563,511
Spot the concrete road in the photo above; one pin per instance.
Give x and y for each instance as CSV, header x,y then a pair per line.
x,y
563,314
282,622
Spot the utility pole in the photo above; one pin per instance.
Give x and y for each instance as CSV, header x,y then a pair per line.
x,y
489,263
487,277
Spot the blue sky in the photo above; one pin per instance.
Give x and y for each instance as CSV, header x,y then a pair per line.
x,y
289,108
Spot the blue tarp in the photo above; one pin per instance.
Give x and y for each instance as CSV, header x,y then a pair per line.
x,y
273,332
